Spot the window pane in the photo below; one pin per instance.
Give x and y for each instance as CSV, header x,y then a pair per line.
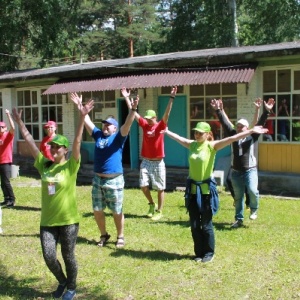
x,y
35,132
34,98
109,95
59,99
35,114
197,108
296,130
296,105
27,98
229,88
212,89
230,106
283,106
27,115
284,81
269,81
45,114
297,80
44,100
59,114
283,130
20,98
51,99
196,90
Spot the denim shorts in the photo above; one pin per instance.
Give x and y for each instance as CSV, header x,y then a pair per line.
x,y
108,192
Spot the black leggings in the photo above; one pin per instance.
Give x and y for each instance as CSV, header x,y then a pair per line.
x,y
67,235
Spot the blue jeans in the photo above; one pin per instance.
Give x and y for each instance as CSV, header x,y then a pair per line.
x,y
202,227
245,179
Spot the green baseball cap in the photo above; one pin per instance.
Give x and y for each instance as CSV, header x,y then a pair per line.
x,y
150,114
59,140
202,127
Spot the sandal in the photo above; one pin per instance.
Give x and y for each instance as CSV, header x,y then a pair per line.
x,y
120,242
103,240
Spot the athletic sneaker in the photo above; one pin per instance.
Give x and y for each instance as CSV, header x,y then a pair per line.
x,y
207,258
69,295
253,215
151,211
157,216
237,224
198,259
59,291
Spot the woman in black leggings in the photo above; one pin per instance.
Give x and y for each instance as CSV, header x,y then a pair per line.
x,y
59,213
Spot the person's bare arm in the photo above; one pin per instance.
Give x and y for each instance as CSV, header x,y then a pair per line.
x,y
25,133
166,115
179,139
83,110
89,125
11,122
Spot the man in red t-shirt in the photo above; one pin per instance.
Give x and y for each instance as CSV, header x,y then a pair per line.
x,y
6,155
152,168
50,128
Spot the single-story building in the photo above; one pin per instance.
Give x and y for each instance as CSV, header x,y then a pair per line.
x,y
238,75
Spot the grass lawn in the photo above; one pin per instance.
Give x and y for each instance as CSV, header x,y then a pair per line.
x,y
259,261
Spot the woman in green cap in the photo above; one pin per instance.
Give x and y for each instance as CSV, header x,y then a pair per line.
x,y
201,196
59,213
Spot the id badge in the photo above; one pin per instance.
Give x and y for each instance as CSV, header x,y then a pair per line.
x,y
240,151
51,188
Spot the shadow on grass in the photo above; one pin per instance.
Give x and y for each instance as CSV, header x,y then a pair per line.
x,y
151,255
17,207
20,289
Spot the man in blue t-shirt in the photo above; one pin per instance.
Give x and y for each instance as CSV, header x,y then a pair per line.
x,y
108,182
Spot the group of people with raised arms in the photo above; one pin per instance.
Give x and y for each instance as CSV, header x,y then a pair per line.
x,y
59,211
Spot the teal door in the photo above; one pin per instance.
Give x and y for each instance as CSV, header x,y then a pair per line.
x,y
176,155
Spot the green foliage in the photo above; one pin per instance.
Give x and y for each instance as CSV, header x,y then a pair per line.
x,y
39,33
259,261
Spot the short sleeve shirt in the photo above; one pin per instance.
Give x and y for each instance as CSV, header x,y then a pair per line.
x,y
6,147
153,139
108,152
59,203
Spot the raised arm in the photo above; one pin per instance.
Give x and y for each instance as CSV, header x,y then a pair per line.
x,y
125,128
11,122
83,112
228,127
166,115
257,103
219,144
89,125
25,133
129,102
179,139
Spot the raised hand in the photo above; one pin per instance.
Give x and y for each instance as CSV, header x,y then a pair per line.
x,y
16,115
124,92
258,102
174,91
259,129
76,99
269,105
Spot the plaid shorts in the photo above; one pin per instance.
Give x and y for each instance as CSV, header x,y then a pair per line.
x,y
108,192
154,172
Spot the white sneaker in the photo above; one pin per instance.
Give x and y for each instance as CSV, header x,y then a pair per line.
x,y
253,215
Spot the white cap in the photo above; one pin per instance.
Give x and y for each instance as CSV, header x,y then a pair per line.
x,y
243,122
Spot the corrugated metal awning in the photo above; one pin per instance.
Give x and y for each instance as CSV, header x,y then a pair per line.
x,y
191,77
